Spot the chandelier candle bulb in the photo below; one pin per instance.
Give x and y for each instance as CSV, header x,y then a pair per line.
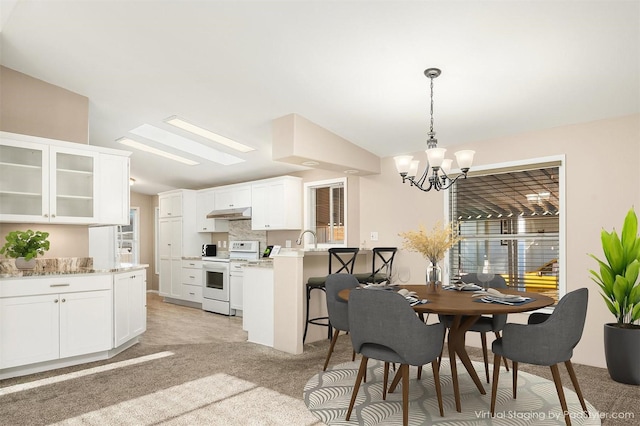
x,y
465,159
413,168
435,156
446,165
403,163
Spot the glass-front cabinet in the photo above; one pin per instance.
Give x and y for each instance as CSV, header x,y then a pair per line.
x,y
72,186
46,184
24,182
54,183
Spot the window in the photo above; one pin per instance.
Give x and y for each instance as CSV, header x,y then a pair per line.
x,y
510,222
325,211
129,238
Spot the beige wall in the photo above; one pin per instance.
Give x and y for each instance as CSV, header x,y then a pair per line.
x,y
601,185
33,107
145,204
65,240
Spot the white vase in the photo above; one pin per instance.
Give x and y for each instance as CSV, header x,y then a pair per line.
x,y
23,264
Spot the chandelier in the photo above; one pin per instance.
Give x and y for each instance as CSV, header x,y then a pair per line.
x,y
436,163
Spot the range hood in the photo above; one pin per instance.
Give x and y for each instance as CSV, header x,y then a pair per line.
x,y
231,214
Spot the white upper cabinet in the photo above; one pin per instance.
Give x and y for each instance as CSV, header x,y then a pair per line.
x,y
170,204
73,186
24,181
276,204
205,203
47,181
233,197
113,189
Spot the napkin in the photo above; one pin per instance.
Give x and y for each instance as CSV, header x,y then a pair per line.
x,y
492,295
462,287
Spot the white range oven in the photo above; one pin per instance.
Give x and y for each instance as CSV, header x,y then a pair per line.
x,y
216,291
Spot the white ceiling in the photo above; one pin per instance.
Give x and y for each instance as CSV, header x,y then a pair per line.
x,y
353,67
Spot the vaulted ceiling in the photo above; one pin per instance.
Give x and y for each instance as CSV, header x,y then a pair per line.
x,y
353,67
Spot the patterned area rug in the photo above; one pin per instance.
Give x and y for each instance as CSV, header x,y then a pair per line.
x,y
327,396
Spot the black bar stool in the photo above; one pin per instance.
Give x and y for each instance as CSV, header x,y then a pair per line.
x,y
345,257
381,266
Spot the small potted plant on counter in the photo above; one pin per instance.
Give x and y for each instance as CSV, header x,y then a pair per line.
x,y
618,278
25,246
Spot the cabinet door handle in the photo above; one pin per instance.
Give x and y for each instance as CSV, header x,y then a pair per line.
x,y
53,215
191,276
193,294
64,300
55,301
46,215
59,285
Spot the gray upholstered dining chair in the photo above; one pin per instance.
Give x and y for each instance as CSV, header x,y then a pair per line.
x,y
337,308
485,324
545,342
384,327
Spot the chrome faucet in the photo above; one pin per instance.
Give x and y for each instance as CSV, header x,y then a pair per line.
x,y
315,238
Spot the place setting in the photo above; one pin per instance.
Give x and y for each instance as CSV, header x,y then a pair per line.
x,y
491,295
407,294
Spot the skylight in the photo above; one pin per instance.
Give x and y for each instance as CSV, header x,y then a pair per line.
x,y
183,144
185,125
147,148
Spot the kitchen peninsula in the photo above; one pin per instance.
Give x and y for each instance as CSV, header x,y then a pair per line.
x,y
65,313
282,303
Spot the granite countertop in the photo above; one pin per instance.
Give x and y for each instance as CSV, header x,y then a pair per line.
x,y
61,266
261,263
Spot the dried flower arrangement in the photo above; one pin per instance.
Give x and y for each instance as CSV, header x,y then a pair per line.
x,y
432,245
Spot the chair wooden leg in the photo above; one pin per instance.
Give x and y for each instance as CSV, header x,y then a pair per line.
x,y
494,385
356,386
331,346
353,356
395,381
506,364
405,394
385,381
436,380
419,372
563,402
515,379
485,357
576,386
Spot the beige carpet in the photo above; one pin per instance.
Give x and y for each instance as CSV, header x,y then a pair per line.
x,y
219,399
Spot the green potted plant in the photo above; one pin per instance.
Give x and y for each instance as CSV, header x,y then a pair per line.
x,y
618,280
25,246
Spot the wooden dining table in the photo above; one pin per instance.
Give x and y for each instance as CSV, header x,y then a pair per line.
x,y
466,310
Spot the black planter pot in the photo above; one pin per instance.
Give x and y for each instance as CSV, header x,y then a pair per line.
x,y
622,351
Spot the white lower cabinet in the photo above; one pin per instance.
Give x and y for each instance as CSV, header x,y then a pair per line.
x,y
29,329
171,278
72,317
60,320
258,303
192,274
129,306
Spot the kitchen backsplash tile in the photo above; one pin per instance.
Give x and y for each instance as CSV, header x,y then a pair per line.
x,y
240,230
